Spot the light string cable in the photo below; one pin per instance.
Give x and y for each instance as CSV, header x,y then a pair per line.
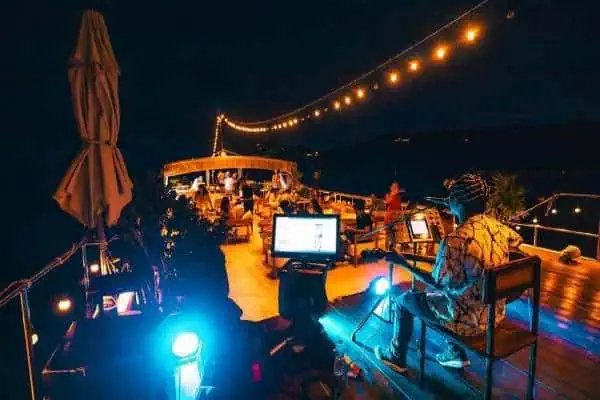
x,y
251,126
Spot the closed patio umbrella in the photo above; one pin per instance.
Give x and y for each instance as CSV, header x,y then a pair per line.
x,y
96,186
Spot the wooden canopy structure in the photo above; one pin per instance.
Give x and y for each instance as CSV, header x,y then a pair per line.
x,y
224,162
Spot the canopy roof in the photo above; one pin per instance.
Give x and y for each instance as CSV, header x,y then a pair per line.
x,y
226,162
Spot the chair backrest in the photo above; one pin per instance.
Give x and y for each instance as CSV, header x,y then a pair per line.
x,y
510,280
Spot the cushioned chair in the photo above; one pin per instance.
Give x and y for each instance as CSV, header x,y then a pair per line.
x,y
507,281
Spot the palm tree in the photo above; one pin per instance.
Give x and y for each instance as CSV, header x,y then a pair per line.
x,y
507,197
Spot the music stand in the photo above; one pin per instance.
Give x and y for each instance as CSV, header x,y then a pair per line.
x,y
419,232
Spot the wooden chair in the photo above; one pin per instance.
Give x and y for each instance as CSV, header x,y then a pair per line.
x,y
507,281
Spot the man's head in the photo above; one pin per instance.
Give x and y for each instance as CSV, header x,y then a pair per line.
x,y
468,195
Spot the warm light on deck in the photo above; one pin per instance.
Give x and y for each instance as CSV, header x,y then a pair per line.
x,y
348,100
317,113
360,93
337,105
393,77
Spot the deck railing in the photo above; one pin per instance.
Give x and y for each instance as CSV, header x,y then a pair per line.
x,y
20,290
548,202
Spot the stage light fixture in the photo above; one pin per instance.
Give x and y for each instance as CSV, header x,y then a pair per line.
x,y
185,345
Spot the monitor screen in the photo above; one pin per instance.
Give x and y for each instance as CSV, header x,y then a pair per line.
x,y
312,237
419,227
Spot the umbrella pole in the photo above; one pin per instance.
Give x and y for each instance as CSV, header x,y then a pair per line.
x,y
101,238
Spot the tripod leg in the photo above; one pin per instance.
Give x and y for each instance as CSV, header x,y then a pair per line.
x,y
362,323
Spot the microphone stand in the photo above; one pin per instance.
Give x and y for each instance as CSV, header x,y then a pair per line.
x,y
388,296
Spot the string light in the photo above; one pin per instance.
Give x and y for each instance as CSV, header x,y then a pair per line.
x,y
535,220
470,34
577,210
414,66
554,211
440,52
393,77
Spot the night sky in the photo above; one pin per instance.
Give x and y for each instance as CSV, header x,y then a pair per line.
x,y
182,61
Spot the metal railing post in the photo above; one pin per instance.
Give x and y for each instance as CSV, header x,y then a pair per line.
x,y
598,242
26,321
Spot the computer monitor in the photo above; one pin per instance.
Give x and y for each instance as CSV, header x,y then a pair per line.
x,y
419,229
308,237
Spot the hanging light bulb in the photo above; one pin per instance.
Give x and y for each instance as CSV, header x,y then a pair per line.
x,y
440,52
535,220
285,124
317,113
337,105
360,93
414,66
577,210
554,211
471,34
347,100
393,77
518,228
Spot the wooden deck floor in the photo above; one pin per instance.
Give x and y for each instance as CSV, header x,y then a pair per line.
x,y
569,354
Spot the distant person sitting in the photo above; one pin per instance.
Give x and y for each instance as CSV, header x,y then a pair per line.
x,y
225,208
315,202
202,200
479,243
246,196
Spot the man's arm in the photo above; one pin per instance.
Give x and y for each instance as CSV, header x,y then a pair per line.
x,y
447,269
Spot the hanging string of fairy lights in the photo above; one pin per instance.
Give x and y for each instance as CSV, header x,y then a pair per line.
x,y
389,74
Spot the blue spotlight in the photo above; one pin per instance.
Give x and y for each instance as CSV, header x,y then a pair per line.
x,y
381,286
185,345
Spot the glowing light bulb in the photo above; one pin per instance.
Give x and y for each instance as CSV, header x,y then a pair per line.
x,y
285,124
360,93
347,100
64,305
554,211
440,52
94,268
414,66
295,121
471,34
185,344
518,228
337,105
34,339
394,77
535,220
577,210
317,113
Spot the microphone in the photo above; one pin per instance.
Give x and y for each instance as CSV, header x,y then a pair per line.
x,y
442,201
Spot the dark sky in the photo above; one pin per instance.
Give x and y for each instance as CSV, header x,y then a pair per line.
x,y
182,61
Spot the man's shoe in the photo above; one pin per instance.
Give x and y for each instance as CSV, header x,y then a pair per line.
x,y
386,357
453,357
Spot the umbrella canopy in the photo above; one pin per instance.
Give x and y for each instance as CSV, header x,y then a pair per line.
x,y
97,183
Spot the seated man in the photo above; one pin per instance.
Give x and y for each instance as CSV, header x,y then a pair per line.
x,y
480,242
